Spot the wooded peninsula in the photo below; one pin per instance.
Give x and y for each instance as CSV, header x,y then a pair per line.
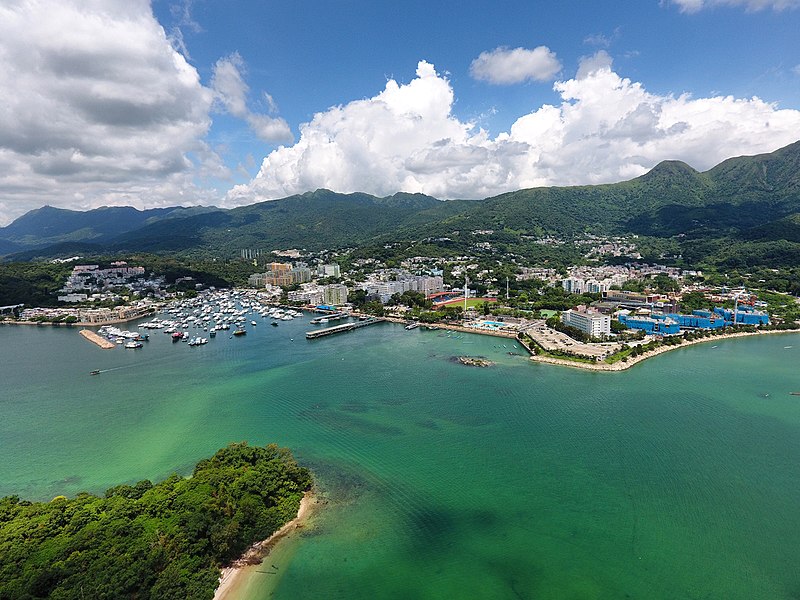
x,y
150,541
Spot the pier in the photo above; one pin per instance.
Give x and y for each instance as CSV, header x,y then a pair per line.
x,y
341,328
96,339
329,317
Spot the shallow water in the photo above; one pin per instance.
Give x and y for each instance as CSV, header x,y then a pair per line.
x,y
675,479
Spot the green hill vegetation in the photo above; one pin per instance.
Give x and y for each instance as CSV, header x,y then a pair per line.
x,y
747,206
146,541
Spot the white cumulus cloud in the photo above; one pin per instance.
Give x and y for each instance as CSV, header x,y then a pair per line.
x,y
691,6
98,108
230,91
503,66
606,128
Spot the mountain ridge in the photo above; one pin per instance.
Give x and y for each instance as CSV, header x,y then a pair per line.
x,y
739,197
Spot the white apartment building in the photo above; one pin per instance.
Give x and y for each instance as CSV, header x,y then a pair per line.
x,y
335,295
328,270
308,294
591,323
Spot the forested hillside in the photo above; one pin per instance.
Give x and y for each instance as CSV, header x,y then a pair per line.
x,y
749,204
149,541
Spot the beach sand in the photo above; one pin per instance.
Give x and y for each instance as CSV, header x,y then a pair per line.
x,y
231,575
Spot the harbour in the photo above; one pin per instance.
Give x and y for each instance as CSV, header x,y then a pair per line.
x,y
423,484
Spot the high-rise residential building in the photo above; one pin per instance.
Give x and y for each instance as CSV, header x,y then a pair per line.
x,y
328,270
335,294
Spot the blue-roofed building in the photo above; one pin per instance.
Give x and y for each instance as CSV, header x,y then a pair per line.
x,y
655,324
704,320
745,315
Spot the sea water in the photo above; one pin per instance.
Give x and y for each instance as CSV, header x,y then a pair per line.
x,y
675,479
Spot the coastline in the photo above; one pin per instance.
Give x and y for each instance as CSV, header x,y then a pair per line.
x,y
622,366
76,323
231,575
453,327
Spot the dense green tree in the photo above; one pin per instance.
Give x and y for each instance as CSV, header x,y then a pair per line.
x,y
147,541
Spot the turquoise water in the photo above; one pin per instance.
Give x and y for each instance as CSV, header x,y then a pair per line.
x,y
676,479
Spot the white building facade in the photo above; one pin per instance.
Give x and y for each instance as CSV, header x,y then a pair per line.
x,y
591,323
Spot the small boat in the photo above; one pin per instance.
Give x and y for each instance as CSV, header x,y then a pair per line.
x,y
212,333
177,336
253,323
794,393
132,345
240,332
274,323
95,372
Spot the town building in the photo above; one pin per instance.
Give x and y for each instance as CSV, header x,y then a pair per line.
x,y
309,293
658,324
328,270
590,322
335,295
281,274
381,286
745,315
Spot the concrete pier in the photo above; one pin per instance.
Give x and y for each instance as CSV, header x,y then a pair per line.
x,y
97,339
341,328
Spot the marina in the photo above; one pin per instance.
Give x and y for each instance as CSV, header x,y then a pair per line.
x,y
550,465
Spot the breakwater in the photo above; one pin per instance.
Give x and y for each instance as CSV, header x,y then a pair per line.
x,y
96,339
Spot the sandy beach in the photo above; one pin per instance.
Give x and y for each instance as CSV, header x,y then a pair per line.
x,y
256,553
632,360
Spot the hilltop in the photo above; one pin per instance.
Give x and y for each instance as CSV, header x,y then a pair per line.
x,y
746,205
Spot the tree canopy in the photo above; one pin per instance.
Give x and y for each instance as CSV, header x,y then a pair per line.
x,y
149,541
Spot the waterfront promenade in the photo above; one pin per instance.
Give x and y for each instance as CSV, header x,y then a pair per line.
x,y
632,360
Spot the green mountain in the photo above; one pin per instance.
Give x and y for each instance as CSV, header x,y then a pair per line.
x,y
320,219
740,202
49,225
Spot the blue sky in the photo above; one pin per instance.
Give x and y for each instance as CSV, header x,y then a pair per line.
x,y
228,103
